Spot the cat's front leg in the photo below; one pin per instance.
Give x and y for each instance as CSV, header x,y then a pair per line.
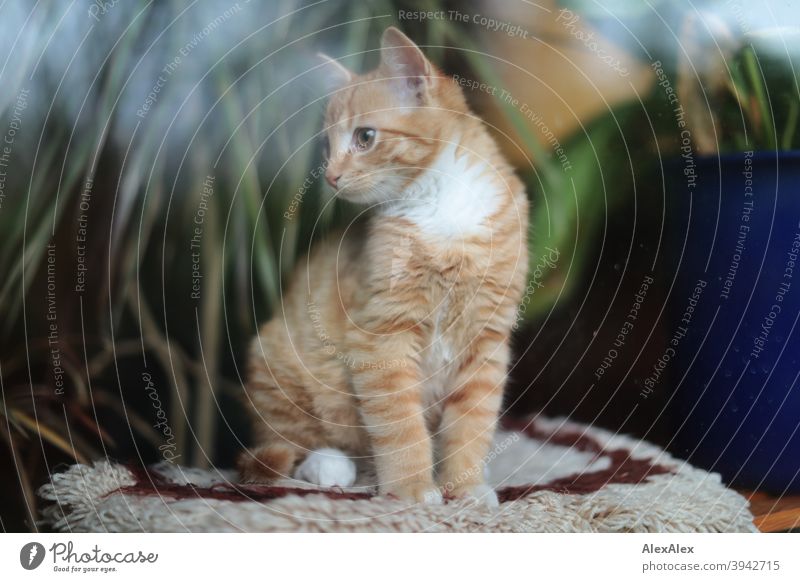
x,y
469,419
386,381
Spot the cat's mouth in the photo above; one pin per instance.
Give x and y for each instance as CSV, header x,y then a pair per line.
x,y
357,190
349,192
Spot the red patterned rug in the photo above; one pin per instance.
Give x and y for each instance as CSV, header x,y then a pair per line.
x,y
549,475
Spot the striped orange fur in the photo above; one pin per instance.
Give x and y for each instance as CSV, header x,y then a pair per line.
x,y
392,341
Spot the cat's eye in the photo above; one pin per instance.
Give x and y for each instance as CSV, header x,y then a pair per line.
x,y
363,138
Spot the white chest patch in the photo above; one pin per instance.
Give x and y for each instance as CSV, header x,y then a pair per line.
x,y
451,199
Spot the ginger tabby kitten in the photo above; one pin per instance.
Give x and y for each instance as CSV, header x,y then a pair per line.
x,y
392,343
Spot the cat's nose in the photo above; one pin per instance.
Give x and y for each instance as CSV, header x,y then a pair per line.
x,y
332,178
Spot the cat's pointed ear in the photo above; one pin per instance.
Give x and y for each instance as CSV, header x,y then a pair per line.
x,y
400,57
334,74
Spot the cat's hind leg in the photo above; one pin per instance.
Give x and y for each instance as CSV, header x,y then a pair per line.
x,y
267,463
324,467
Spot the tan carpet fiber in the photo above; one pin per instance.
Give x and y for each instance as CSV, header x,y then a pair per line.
x,y
550,475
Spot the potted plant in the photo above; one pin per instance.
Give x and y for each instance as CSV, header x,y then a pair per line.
x,y
733,232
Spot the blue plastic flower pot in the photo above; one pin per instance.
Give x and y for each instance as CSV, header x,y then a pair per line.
x,y
734,235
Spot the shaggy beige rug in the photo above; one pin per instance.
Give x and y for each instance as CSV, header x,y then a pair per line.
x,y
550,476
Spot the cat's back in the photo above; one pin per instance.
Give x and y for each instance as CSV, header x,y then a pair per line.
x,y
312,313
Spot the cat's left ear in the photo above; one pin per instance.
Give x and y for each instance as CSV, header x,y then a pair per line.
x,y
403,60
334,74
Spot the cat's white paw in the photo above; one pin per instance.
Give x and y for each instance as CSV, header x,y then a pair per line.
x,y
480,494
327,468
432,497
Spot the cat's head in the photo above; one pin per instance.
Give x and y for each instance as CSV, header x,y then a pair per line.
x,y
384,128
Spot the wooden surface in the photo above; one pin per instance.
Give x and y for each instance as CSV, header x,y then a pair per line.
x,y
773,514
